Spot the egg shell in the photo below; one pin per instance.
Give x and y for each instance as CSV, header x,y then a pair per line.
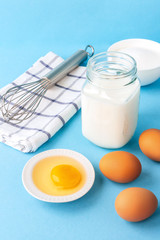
x,y
136,204
149,143
120,166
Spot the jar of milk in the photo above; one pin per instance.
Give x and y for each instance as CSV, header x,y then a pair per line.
x,y
110,99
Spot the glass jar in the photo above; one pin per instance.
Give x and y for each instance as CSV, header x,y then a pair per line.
x,y
110,99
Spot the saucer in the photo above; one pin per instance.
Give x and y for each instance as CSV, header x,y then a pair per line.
x,y
35,192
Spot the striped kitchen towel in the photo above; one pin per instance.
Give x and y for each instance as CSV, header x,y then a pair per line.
x,y
58,105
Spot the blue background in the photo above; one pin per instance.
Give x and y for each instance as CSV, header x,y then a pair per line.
x,y
28,30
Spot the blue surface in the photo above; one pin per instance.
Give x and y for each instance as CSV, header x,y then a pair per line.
x,y
28,30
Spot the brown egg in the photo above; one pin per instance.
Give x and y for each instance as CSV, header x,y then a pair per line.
x,y
149,143
136,204
120,166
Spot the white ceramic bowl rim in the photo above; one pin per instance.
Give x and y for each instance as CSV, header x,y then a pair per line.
x,y
137,42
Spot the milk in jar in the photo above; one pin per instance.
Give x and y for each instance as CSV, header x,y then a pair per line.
x,y
110,99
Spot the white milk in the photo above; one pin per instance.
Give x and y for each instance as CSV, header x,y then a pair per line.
x,y
109,116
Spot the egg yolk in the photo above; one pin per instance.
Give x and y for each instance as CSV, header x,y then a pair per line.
x,y
65,176
43,180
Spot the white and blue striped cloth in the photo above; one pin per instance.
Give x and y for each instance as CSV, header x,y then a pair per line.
x,y
58,105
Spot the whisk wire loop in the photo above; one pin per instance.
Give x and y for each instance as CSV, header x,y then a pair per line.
x,y
23,99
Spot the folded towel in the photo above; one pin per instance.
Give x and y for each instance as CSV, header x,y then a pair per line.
x,y
58,105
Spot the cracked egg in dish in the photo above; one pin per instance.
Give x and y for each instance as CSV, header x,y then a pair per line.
x,y
58,175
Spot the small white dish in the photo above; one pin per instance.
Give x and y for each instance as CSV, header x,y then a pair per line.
x,y
35,192
147,55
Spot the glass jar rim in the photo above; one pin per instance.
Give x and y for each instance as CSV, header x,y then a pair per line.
x,y
113,54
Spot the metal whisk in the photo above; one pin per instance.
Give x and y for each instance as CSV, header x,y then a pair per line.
x,y
20,102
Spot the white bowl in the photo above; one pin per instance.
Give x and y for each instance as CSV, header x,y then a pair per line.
x,y
35,192
147,56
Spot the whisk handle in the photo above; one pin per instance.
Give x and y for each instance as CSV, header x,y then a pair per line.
x,y
67,66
